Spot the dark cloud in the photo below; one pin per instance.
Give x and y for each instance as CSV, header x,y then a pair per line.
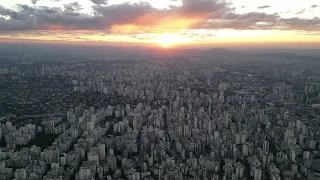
x,y
34,1
143,14
314,6
72,7
204,7
42,18
99,1
123,13
300,24
6,12
50,11
264,7
253,20
200,14
259,21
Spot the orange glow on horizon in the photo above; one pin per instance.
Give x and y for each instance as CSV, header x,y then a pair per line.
x,y
56,27
194,38
154,24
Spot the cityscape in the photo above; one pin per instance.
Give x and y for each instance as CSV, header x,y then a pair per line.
x,y
173,116
159,90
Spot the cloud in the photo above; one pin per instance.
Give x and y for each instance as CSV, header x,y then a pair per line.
x,y
300,24
259,21
123,13
314,6
204,7
34,1
142,16
253,20
99,1
42,18
264,7
131,18
72,7
310,33
6,12
301,11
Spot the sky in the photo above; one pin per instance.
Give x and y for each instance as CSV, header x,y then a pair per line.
x,y
164,23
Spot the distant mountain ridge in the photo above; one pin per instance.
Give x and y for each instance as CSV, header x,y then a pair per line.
x,y
151,52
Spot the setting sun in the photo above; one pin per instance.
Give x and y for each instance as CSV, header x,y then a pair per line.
x,y
167,40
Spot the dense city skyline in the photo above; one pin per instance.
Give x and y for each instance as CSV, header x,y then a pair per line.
x,y
200,23
97,113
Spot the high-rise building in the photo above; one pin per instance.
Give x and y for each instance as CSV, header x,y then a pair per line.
x,y
93,156
245,150
266,146
238,138
293,155
102,151
90,125
84,173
